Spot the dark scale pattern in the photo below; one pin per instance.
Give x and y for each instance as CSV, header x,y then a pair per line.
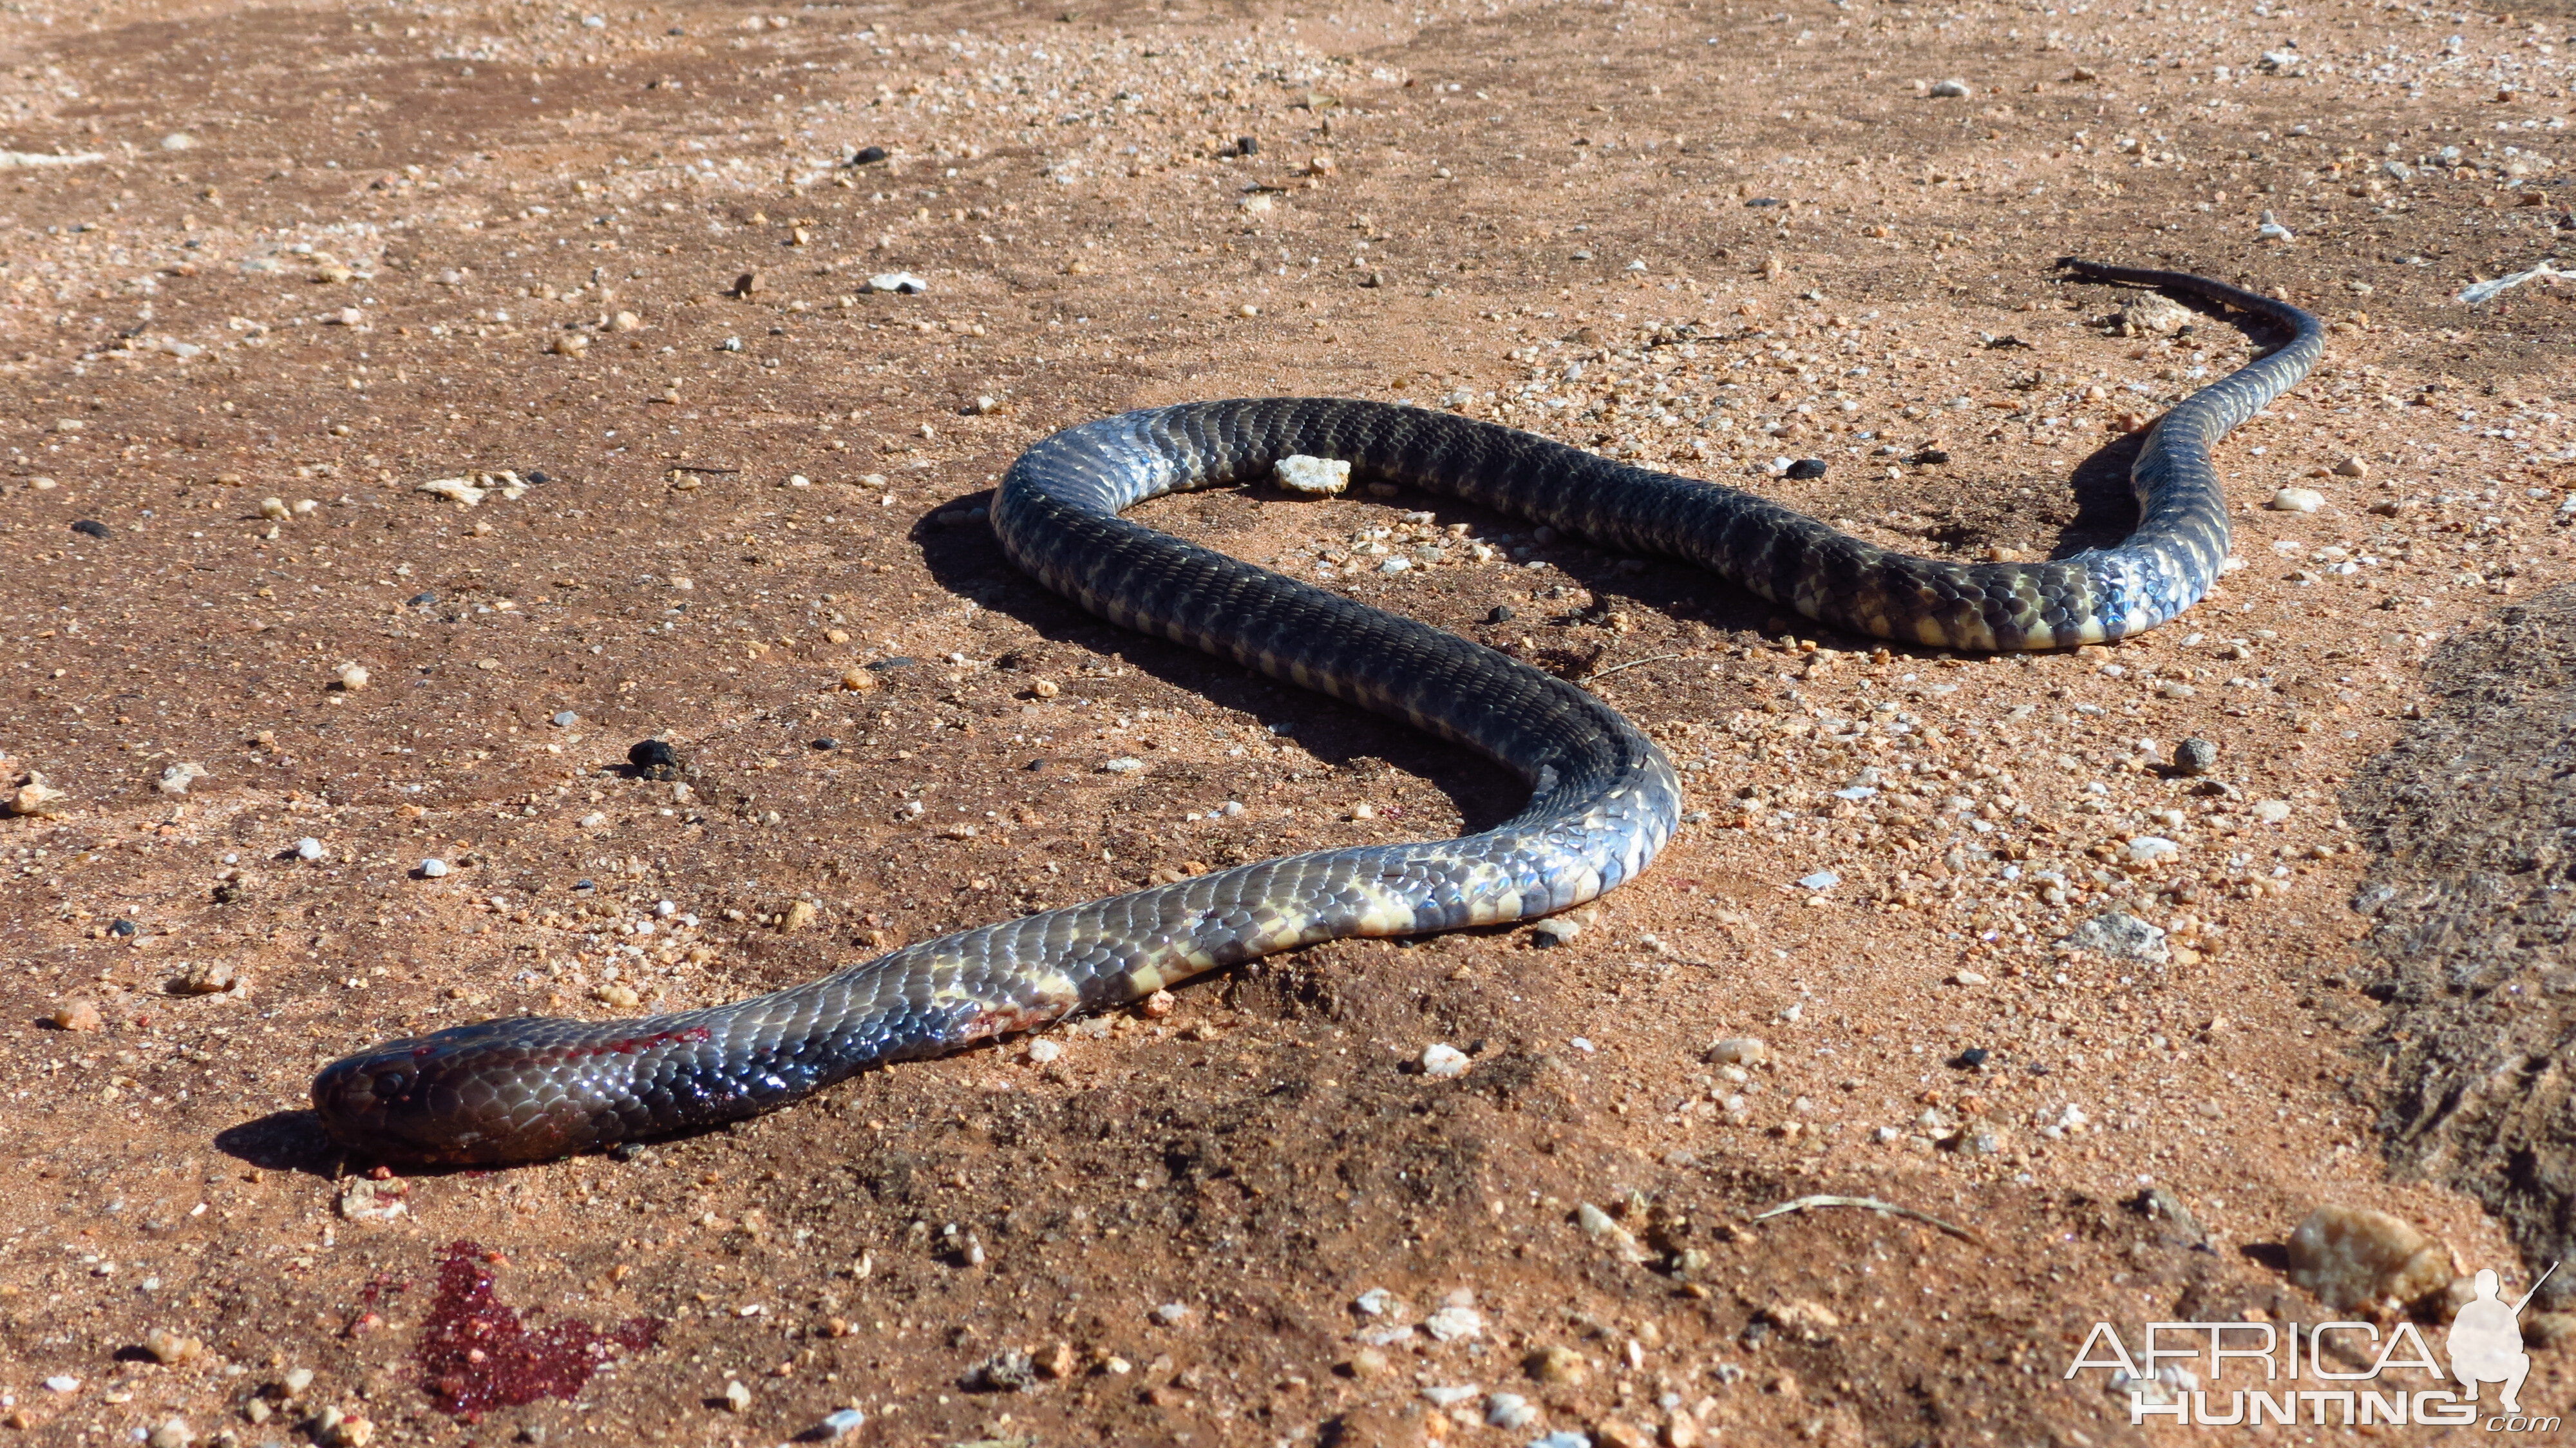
x,y
1603,801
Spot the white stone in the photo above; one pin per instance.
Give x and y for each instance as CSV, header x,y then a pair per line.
x,y
2352,1257
2297,500
2151,850
1953,89
1443,1061
2117,935
1738,1051
1452,1324
1324,477
460,490
904,282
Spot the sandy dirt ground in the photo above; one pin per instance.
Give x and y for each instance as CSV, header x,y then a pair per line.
x,y
614,270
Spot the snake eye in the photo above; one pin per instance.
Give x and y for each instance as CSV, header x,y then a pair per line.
x,y
393,1085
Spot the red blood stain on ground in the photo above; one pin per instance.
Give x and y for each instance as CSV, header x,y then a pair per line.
x,y
475,1354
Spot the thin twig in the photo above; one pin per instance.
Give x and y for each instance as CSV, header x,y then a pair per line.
x,y
1809,1204
1632,663
693,468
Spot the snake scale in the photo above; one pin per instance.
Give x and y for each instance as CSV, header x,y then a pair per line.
x,y
1603,799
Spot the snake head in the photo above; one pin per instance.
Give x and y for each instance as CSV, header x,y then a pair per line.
x,y
460,1095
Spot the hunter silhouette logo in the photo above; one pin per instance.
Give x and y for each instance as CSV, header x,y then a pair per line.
x,y
2330,1374
2485,1341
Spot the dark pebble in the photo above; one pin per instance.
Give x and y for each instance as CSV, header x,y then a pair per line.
x,y
1972,1058
899,661
1805,468
868,156
827,742
1247,145
654,759
1765,201
423,600
1038,766
92,527
124,929
1932,455
585,884
535,477
1502,614
2195,757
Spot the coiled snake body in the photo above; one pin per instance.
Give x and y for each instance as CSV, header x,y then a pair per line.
x,y
1603,797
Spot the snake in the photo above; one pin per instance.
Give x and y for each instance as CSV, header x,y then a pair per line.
x,y
1603,797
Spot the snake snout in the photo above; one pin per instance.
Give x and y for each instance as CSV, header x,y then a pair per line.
x,y
413,1099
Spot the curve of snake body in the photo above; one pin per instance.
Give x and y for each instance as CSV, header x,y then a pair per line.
x,y
1603,798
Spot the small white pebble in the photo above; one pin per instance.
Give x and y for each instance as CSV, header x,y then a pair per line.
x,y
1323,477
308,848
1122,766
1044,1051
433,868
1171,1313
1450,1324
1953,89
351,678
2151,850
594,820
1738,1051
2297,500
839,1423
1441,1061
